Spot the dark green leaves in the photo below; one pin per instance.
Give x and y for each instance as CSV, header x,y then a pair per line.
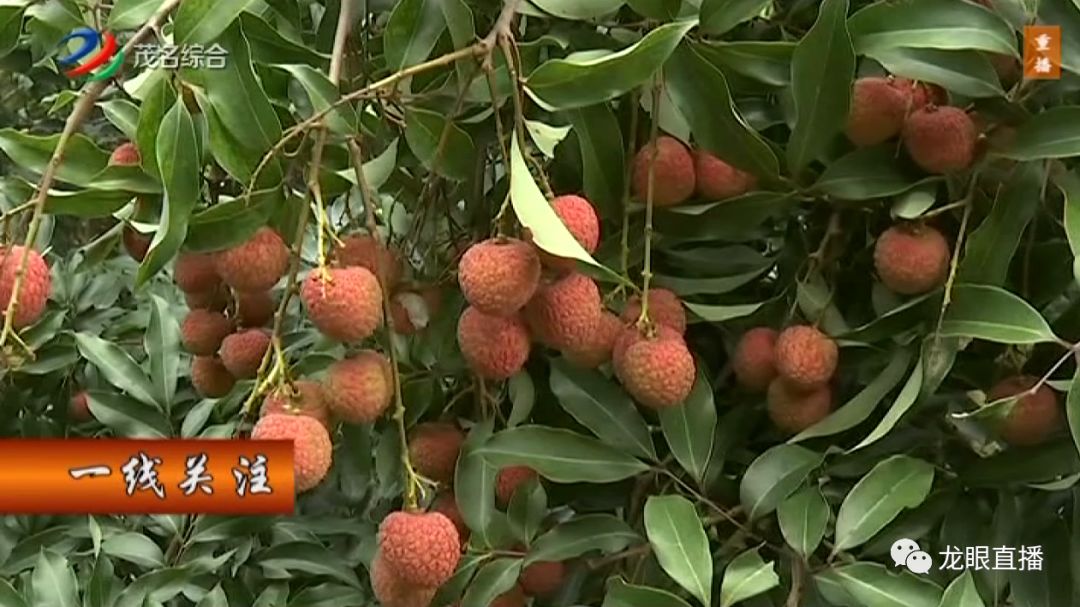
x,y
866,173
1053,133
940,24
896,483
680,544
582,534
962,593
689,429
116,366
602,154
560,455
493,579
54,582
719,16
803,517
990,248
746,576
202,21
873,584
423,131
773,476
994,314
416,25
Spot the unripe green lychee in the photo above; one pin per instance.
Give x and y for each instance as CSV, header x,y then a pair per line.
x,y
359,389
312,449
495,347
665,308
35,289
434,449
304,397
565,313
203,331
805,356
210,377
421,548
793,409
940,139
498,276
718,180
255,265
242,353
674,179
754,359
1034,418
911,259
345,304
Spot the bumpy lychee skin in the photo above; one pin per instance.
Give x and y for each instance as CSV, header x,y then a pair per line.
x,y
195,273
630,335
215,300
543,578
579,217
203,331
754,359
254,309
658,372
210,377
911,259
495,347
446,504
793,409
665,308
498,276
508,480
674,180
242,353
565,314
805,356
878,108
940,139
257,264
136,243
413,311
312,449
36,285
79,408
305,398
598,350
421,548
1034,418
125,155
434,449
358,389
346,307
363,251
392,591
718,180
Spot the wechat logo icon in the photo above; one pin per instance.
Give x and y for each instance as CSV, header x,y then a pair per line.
x,y
906,553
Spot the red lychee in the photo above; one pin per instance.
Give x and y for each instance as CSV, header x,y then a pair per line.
x,y
579,217
514,597
203,331
242,353
304,398
508,480
215,300
257,264
35,289
1034,418
498,276
195,273
136,243
210,377
665,308
79,408
392,591
495,347
421,548
312,449
598,350
254,309
793,409
347,306
434,448
363,251
674,180
413,311
911,259
718,180
940,139
805,356
658,371
878,108
446,504
566,313
543,578
125,155
359,389
754,359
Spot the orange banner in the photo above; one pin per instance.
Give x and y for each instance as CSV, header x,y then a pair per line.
x,y
131,476
1042,52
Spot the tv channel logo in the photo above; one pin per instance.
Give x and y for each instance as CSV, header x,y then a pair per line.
x,y
108,54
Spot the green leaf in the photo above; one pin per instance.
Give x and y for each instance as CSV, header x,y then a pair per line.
x,y
161,586
822,69
723,313
1072,410
873,584
572,538
117,367
803,517
128,417
1069,184
663,10
602,154
747,576
574,9
546,137
701,93
134,548
526,510
907,398
202,21
423,131
719,16
323,94
916,201
573,83
962,593
893,485
215,598
601,406
475,478
238,97
939,24
11,19
560,455
1062,13
994,314
229,223
679,543
54,582
412,31
990,248
768,62
968,73
9,596
163,345
307,557
159,99
773,476
83,160
523,395
1052,133
127,14
491,580
621,594
689,429
866,173
123,114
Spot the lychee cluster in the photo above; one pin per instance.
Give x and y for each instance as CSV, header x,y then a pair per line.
x,y
880,105
911,258
34,290
417,552
1036,415
680,173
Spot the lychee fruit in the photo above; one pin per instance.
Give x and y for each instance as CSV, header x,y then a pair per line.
x,y
446,504
434,448
498,276
495,347
242,353
543,578
878,108
35,289
508,480
125,155
304,397
579,217
392,591
598,350
911,258
665,308
793,409
203,331
136,243
312,449
565,314
1034,417
718,180
754,359
421,548
658,371
347,305
363,251
359,389
515,597
254,309
215,300
210,377
805,356
255,265
195,273
412,311
79,408
674,179
940,139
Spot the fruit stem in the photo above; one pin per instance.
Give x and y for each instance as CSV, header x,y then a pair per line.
x,y
631,147
646,273
954,263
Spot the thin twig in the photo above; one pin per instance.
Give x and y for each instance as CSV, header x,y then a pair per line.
x,y
646,273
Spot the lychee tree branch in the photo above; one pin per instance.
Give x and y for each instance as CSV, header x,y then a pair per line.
x,y
628,176
954,263
646,273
